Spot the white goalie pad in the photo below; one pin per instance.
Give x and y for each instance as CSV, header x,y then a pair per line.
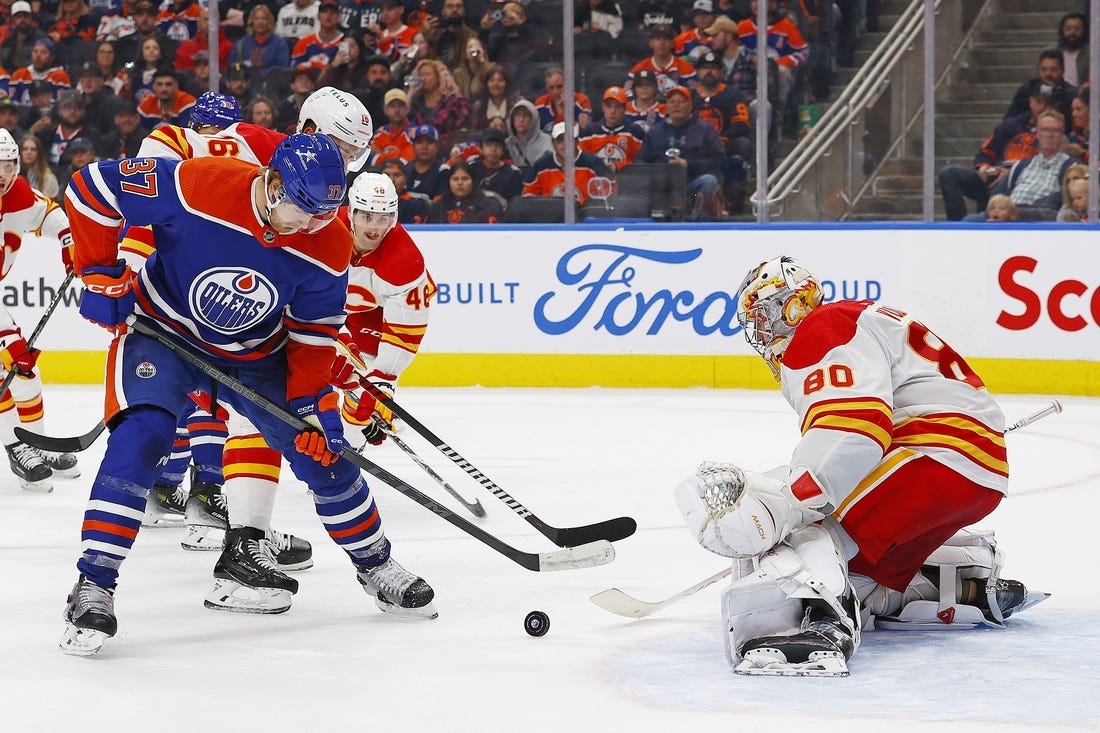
x,y
770,600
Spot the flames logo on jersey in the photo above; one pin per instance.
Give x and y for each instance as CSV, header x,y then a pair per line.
x,y
232,299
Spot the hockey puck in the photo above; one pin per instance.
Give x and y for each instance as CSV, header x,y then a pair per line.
x,y
537,623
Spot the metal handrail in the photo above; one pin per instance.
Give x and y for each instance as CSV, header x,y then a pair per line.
x,y
866,86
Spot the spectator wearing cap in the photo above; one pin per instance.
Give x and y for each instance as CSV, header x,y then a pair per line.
x,y
692,43
436,100
613,140
180,20
527,142
727,111
38,117
684,140
1050,79
551,105
124,141
168,104
261,48
426,172
35,167
377,80
669,70
185,54
392,140
43,67
547,175
448,33
79,153
302,84
9,119
98,98
297,19
412,208
237,83
493,171
644,110
196,82
463,201
22,33
395,37
72,123
738,62
318,48
128,47
785,45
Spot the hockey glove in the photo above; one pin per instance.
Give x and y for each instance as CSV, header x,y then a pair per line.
x,y
344,376
67,250
108,294
371,409
323,443
17,357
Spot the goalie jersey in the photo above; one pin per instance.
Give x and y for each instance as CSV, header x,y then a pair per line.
x,y
219,278
874,389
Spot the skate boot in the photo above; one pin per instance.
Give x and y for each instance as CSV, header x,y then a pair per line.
x,y
1011,596
246,578
165,506
89,618
291,553
821,649
395,589
63,465
27,465
206,516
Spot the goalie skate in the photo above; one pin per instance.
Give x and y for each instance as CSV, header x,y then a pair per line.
x,y
246,578
396,590
821,649
165,506
772,663
89,618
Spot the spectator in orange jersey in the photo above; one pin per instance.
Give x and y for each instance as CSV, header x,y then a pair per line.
x,y
547,175
669,70
391,140
43,67
463,202
551,106
167,104
613,140
691,44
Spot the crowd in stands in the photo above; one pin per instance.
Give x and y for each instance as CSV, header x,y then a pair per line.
x,y
1033,165
467,96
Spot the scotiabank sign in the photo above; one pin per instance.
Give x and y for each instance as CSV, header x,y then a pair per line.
x,y
1050,301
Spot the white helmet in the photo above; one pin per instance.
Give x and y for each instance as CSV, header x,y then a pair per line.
x,y
338,114
773,299
9,150
374,195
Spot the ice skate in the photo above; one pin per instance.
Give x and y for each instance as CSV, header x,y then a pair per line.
x,y
291,553
32,472
206,516
165,506
89,618
821,649
1012,596
246,578
396,590
63,465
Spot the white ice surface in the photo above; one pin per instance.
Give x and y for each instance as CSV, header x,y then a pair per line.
x,y
335,663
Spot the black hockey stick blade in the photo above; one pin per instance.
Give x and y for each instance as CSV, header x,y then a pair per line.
x,y
588,555
74,444
611,530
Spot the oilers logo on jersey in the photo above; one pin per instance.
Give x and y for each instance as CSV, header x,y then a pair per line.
x,y
232,299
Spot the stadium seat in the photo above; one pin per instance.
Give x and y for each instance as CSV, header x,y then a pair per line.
x,y
535,210
664,185
619,206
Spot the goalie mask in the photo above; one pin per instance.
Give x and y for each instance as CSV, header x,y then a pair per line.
x,y
372,209
9,161
342,117
772,300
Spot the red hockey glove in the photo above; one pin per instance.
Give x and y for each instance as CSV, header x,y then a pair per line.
x,y
343,375
371,409
16,356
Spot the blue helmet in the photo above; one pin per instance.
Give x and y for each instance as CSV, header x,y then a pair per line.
x,y
312,170
215,109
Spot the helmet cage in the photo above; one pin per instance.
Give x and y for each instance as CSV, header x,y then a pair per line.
x,y
772,300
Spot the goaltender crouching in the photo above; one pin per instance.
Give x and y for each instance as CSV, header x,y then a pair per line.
x,y
249,275
902,448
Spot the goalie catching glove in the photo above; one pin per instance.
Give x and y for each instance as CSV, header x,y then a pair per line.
x,y
108,294
736,513
325,442
377,416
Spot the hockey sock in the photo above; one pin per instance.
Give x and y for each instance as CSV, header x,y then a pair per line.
x,y
9,419
207,435
117,502
352,520
176,467
251,471
30,412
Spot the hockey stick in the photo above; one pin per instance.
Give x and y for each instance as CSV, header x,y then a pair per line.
x,y
13,372
475,506
587,555
623,604
1053,408
611,530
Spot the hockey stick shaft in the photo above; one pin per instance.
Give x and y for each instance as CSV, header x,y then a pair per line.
x,y
13,372
589,555
474,507
1054,408
624,604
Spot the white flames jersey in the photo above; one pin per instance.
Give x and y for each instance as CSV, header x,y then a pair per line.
x,y
244,141
873,389
389,294
23,211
